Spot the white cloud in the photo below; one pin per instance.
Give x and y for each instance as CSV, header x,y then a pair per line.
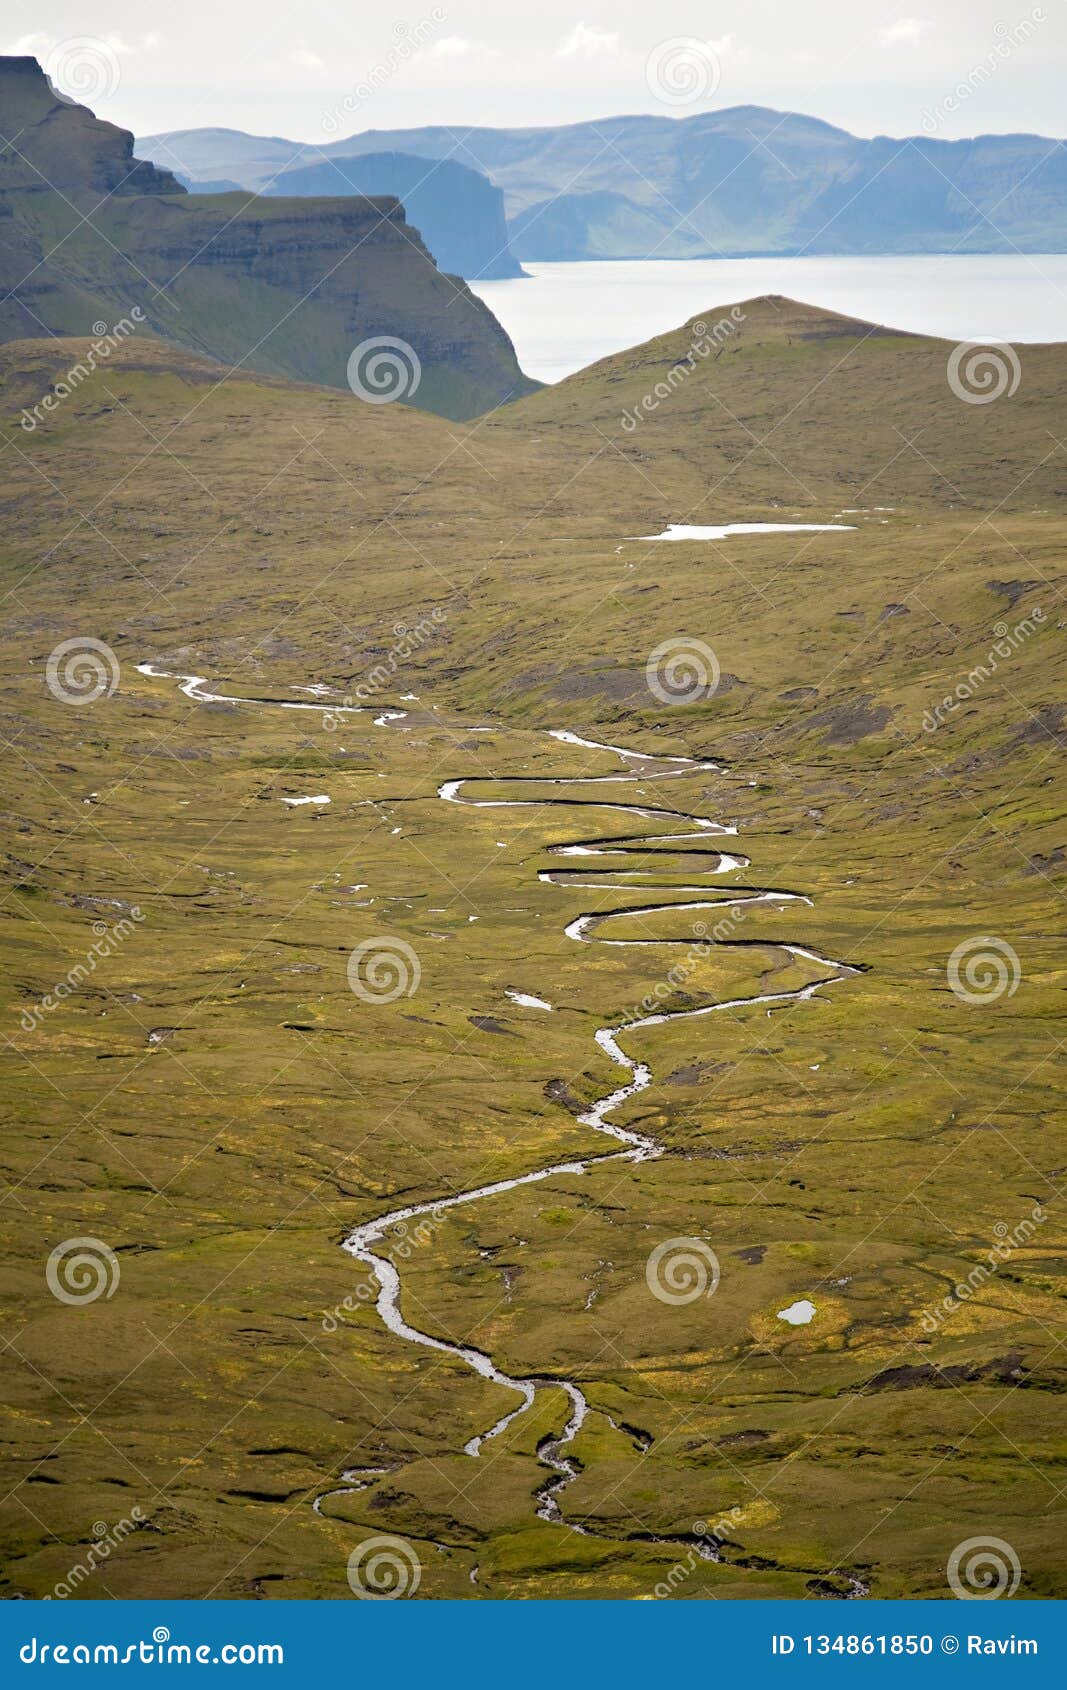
x,y
459,47
585,41
306,59
28,46
39,44
905,31
728,47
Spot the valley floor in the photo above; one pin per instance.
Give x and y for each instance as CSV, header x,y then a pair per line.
x,y
781,1311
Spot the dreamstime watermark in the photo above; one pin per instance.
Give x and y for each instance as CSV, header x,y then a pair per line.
x,y
107,1538
981,371
709,1542
982,1569
100,350
409,38
401,1242
683,69
705,341
381,1569
1007,642
81,670
384,369
155,1651
682,970
407,642
1008,36
682,669
1008,1240
681,1270
981,970
384,969
80,1270
82,69
107,942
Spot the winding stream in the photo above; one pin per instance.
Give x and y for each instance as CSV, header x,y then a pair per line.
x,y
671,827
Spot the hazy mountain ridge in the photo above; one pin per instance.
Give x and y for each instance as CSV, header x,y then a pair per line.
x,y
742,180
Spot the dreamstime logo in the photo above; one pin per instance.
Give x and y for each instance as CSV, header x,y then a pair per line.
x,y
107,1538
1007,37
401,1244
382,1568
681,670
408,642
682,70
980,371
82,1269
706,340
408,39
705,1547
106,341
982,1569
104,945
681,1270
1006,1241
1007,641
382,970
679,972
81,670
383,369
82,70
981,970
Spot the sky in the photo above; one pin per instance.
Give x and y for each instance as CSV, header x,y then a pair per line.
x,y
315,72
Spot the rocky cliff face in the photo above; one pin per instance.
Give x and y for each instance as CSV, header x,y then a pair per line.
x,y
458,212
287,286
62,148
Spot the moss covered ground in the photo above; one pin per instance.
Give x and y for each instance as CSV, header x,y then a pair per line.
x,y
216,1104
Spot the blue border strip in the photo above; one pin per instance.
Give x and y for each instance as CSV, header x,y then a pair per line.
x,y
690,1644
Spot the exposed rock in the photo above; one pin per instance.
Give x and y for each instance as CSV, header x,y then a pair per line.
x,y
1013,591
489,1024
846,723
457,211
558,1091
286,286
1003,1370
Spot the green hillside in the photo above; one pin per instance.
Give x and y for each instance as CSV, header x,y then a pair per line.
x,y
217,1104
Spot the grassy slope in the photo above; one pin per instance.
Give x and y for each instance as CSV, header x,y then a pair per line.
x,y
873,1142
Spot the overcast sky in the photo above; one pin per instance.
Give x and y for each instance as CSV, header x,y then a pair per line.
x,y
314,72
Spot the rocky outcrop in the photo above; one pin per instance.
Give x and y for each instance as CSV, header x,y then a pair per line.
x,y
457,211
59,147
289,287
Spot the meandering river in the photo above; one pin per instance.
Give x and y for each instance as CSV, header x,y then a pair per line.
x,y
690,839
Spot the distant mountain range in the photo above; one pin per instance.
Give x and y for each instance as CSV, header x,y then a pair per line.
x,y
746,180
286,286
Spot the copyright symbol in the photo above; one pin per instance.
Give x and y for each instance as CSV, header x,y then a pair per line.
x,y
949,1645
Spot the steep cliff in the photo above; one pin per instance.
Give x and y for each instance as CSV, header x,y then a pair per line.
x,y
458,212
286,286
